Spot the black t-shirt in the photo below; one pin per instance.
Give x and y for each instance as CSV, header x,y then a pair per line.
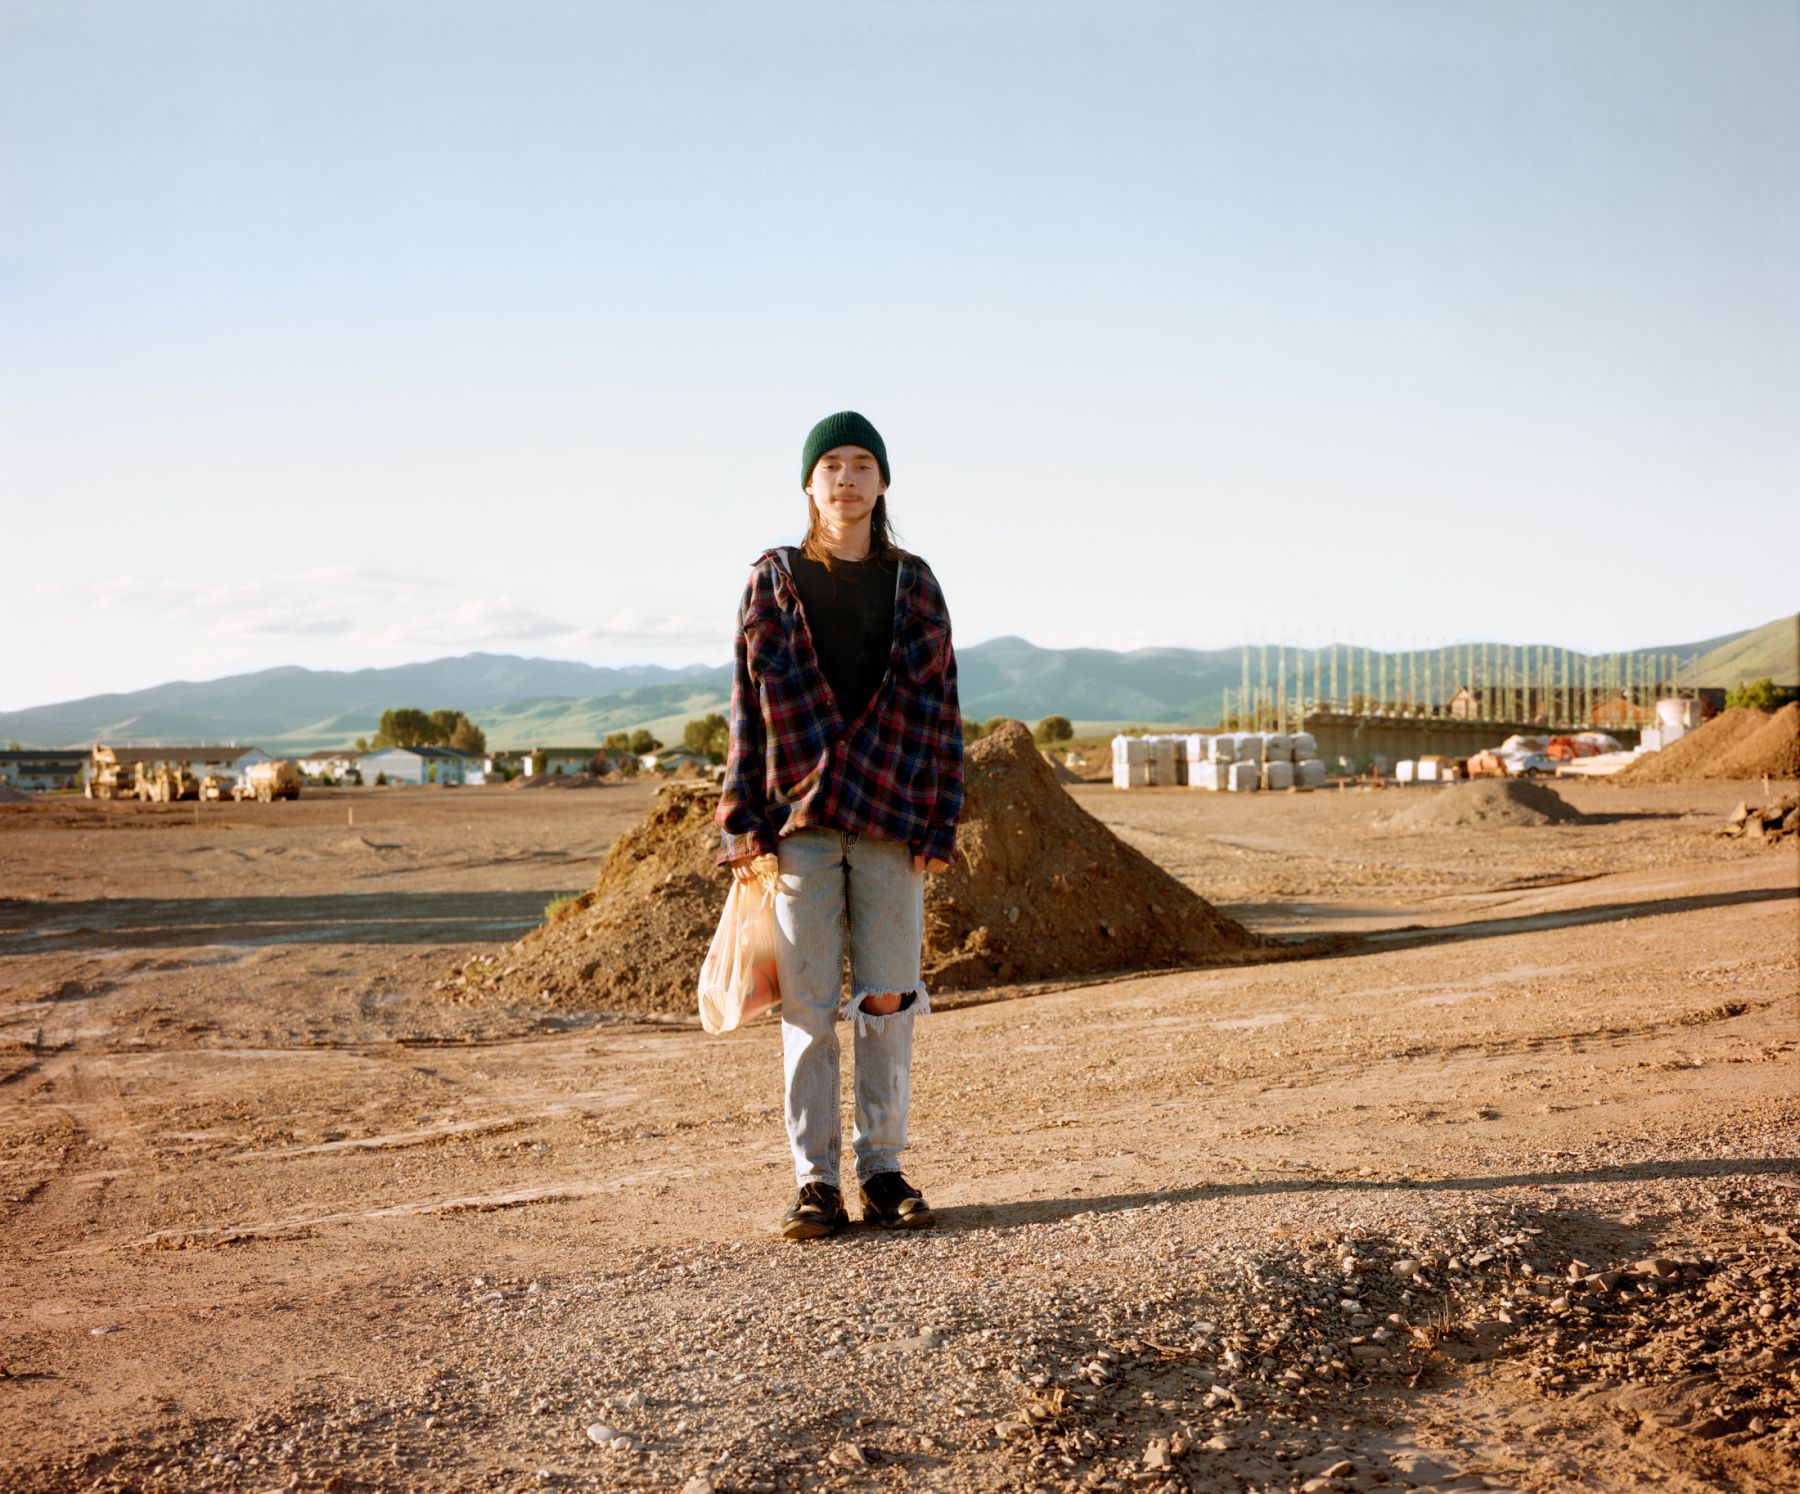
x,y
850,614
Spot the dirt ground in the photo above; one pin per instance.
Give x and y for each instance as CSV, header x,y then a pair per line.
x,y
1501,1194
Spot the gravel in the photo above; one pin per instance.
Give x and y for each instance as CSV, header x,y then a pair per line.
x,y
1156,1346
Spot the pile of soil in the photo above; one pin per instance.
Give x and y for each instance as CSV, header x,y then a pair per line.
x,y
1773,749
1739,743
634,942
1488,803
1041,890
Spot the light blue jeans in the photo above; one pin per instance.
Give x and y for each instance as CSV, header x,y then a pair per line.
x,y
836,884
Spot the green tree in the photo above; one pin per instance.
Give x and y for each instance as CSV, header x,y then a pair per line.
x,y
972,730
13,746
617,741
642,741
443,723
710,736
466,736
1758,695
1055,729
362,744
406,727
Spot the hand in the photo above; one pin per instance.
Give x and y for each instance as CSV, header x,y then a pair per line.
x,y
741,868
922,864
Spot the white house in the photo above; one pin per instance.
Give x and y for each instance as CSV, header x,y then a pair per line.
x,y
421,765
333,765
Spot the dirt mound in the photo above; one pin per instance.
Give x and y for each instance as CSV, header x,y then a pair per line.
x,y
633,943
556,781
1712,752
1041,890
1772,749
1060,771
1487,803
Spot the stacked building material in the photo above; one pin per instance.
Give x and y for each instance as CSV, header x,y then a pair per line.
x,y
1166,762
1219,762
1131,762
1209,775
1242,777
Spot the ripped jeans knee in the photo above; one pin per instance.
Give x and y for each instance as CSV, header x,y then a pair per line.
x,y
871,1010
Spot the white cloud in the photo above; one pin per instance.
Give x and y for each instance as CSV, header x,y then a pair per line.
x,y
476,621
378,610
629,630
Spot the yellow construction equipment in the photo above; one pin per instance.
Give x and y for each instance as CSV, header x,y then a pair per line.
x,y
107,777
166,782
267,782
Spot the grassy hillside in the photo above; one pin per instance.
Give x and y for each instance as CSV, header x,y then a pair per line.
x,y
663,709
1771,651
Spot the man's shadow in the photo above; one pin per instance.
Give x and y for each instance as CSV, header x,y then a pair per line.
x,y
1036,1211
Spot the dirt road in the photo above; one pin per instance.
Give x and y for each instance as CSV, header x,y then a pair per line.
x,y
278,1215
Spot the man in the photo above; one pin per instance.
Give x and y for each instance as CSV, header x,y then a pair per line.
x,y
846,763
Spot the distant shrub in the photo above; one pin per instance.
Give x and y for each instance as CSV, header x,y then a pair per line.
x,y
1758,695
1054,729
381,780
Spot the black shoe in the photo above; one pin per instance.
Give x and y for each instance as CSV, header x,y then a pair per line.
x,y
893,1203
818,1211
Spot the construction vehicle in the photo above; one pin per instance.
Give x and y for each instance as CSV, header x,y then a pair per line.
x,y
215,787
267,782
166,782
107,777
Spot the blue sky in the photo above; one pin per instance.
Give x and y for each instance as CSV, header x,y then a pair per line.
x,y
347,334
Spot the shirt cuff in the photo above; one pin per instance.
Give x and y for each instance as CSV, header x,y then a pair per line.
x,y
755,843
939,845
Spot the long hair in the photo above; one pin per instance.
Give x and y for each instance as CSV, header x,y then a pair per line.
x,y
881,536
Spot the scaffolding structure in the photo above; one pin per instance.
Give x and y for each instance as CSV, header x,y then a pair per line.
x,y
1517,684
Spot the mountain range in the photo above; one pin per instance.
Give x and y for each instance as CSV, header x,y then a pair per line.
x,y
522,702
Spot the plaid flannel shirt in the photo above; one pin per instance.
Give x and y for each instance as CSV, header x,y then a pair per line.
x,y
895,773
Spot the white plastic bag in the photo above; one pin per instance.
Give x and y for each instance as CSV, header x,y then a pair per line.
x,y
737,978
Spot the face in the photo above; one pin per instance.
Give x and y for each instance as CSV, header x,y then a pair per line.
x,y
845,483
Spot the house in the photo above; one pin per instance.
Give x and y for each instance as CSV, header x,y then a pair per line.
x,y
42,770
559,760
421,765
336,766
668,759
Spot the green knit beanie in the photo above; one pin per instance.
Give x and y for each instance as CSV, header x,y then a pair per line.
x,y
846,428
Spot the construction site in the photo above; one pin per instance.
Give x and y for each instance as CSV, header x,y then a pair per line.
x,y
1301,718
1342,1140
